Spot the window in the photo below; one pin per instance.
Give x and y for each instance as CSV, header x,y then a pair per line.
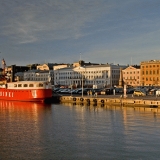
x,y
30,85
15,85
25,85
40,85
19,85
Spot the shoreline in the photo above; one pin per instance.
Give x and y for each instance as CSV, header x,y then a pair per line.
x,y
129,101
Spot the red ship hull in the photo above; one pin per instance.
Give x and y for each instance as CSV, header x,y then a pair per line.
x,y
34,95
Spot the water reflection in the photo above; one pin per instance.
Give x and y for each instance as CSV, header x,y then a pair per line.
x,y
127,116
77,131
122,131
20,127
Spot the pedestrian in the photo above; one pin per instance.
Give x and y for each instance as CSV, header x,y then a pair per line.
x,y
95,94
90,92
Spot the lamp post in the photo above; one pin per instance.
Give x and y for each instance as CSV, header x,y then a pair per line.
x,y
71,90
82,85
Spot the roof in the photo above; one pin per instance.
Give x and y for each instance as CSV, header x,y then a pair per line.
x,y
94,66
38,71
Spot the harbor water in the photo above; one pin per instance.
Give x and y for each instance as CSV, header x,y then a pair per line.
x,y
37,131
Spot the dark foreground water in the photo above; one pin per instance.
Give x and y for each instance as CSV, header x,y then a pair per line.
x,y
66,132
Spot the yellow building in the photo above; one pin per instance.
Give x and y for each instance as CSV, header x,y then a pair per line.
x,y
51,66
48,66
131,76
150,72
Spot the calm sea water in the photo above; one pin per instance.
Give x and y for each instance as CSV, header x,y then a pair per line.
x,y
67,132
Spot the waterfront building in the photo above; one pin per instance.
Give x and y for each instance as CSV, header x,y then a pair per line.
x,y
39,75
150,73
1,71
131,75
8,69
83,63
61,66
45,66
14,72
51,66
33,66
106,75
19,76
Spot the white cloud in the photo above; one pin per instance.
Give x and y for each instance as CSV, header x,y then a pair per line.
x,y
32,21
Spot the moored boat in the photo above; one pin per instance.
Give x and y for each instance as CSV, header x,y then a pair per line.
x,y
33,91
26,91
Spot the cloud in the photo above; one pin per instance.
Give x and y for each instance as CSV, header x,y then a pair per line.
x,y
31,21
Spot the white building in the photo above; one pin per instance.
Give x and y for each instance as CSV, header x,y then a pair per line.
x,y
19,76
104,75
38,75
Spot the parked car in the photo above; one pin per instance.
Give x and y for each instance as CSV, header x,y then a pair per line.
x,y
139,93
98,91
85,91
130,91
76,91
119,90
152,91
65,91
107,91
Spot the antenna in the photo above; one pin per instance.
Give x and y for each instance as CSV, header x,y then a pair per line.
x,y
131,60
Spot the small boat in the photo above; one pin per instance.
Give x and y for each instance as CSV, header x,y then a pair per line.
x,y
33,91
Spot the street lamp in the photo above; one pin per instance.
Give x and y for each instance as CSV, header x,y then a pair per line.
x,y
82,85
71,90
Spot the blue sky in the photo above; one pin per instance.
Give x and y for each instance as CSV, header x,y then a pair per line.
x,y
63,31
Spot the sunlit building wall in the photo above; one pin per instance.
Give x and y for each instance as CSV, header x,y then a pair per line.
x,y
105,75
150,73
131,76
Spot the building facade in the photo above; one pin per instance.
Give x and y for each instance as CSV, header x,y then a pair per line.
x,y
46,66
150,73
19,76
131,76
102,75
51,66
39,75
